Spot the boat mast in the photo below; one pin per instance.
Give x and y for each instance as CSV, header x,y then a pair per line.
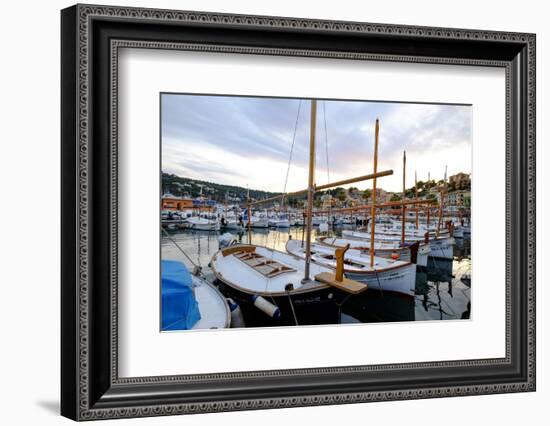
x,y
311,186
441,195
403,199
373,208
248,214
416,197
428,218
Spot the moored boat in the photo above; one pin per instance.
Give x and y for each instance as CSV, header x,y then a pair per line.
x,y
272,281
387,249
384,274
439,246
279,221
202,224
190,302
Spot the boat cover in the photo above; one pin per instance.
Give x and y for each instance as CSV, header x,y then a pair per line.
x,y
180,310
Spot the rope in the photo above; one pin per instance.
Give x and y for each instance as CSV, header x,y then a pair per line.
x,y
326,137
329,216
292,307
179,248
291,151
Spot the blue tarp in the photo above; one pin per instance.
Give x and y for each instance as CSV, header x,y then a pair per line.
x,y
180,310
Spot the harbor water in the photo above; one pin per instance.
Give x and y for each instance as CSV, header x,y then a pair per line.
x,y
442,291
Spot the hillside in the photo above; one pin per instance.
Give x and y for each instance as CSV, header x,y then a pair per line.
x,y
182,186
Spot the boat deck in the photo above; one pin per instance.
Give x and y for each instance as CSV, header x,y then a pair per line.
x,y
267,267
243,276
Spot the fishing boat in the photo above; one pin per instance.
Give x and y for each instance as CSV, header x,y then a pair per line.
x,y
441,247
232,222
279,221
384,274
190,302
259,222
410,252
318,220
287,288
203,224
273,282
172,219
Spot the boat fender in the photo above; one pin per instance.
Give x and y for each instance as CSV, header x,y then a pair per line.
x,y
237,319
394,255
266,307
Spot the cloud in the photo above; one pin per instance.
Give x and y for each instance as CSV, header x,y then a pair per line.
x,y
247,141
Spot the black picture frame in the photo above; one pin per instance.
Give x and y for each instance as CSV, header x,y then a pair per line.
x,y
90,386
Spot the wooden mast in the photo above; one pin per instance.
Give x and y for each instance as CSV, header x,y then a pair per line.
x,y
403,199
373,208
416,197
441,195
428,218
311,186
325,186
249,225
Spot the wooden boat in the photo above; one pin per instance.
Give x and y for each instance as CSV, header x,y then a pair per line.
x,y
439,246
279,221
231,222
290,289
203,224
259,222
272,281
387,249
385,274
190,302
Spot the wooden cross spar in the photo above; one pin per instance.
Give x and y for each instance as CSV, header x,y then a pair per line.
x,y
378,206
325,186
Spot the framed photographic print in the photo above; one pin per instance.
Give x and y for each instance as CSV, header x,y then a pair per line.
x,y
263,212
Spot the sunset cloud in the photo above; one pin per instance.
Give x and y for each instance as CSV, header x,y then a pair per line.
x,y
247,141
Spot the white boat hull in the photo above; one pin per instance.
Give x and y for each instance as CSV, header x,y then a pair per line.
x,y
212,306
439,247
279,223
203,225
233,224
260,223
401,280
442,247
386,274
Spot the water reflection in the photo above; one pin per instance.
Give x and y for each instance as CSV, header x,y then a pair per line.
x,y
442,290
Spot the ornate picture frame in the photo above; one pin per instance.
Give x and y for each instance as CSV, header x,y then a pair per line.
x,y
91,38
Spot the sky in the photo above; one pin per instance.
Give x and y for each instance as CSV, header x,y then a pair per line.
x,y
247,140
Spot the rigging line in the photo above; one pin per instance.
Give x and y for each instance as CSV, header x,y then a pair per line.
x,y
328,169
326,137
167,235
291,150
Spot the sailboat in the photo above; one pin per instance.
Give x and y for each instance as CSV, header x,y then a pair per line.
x,y
385,273
279,220
387,249
441,246
201,223
282,285
259,221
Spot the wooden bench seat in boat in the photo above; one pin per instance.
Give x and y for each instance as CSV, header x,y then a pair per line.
x,y
267,267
